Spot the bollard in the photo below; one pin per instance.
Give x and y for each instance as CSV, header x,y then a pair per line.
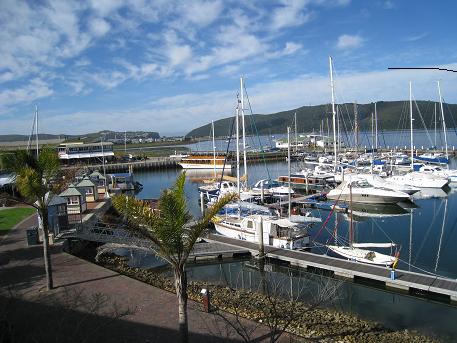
x,y
206,300
392,274
202,203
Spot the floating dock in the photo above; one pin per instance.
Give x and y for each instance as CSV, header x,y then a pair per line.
x,y
416,284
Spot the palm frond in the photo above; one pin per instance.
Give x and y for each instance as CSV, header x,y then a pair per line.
x,y
196,230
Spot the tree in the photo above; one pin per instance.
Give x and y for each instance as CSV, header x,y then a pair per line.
x,y
34,180
172,231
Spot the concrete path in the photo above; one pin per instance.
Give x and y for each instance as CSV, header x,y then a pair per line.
x,y
154,318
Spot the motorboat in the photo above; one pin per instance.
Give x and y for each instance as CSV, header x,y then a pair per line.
x,y
378,181
451,174
277,232
417,179
359,190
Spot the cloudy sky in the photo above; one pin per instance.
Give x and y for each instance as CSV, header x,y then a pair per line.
x,y
170,66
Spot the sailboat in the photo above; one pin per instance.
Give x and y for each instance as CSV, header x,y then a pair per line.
x,y
356,251
413,178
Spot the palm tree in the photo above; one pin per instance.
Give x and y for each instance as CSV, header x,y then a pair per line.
x,y
34,177
172,231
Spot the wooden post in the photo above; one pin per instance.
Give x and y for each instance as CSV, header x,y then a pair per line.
x,y
259,227
261,192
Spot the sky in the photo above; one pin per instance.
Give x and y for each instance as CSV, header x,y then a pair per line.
x,y
170,66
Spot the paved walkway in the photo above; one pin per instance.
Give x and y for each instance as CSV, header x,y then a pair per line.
x,y
154,318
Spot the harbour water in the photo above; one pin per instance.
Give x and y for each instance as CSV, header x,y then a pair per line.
x,y
428,245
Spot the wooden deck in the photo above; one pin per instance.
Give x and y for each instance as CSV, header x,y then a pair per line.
x,y
405,281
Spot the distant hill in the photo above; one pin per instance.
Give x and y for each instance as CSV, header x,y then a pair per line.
x,y
392,115
89,137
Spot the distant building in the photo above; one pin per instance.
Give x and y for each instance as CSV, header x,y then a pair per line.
x,y
72,152
76,200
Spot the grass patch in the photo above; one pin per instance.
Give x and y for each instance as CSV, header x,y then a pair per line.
x,y
12,216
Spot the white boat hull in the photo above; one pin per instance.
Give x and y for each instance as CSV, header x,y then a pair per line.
x,y
362,255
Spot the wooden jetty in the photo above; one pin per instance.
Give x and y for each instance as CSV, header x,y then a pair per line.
x,y
416,284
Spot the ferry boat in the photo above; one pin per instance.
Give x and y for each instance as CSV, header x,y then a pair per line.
x,y
205,162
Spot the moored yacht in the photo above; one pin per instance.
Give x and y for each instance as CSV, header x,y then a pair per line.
x,y
364,192
378,181
277,232
417,179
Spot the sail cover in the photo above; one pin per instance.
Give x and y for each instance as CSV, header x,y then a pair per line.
x,y
373,245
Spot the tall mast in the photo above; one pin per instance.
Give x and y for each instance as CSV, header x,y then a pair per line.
x,y
296,133
411,120
332,86
36,130
442,118
238,147
375,127
351,224
435,124
245,165
214,148
372,132
338,129
288,168
356,127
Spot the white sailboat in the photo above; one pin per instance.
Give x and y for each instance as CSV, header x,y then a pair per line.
x,y
356,251
412,178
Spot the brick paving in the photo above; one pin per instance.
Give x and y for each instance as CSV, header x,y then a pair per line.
x,y
155,315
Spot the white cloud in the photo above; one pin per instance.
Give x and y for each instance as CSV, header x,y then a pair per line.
x,y
201,13
349,42
290,13
187,111
35,90
291,47
99,26
416,37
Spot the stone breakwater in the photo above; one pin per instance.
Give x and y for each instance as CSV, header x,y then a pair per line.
x,y
317,325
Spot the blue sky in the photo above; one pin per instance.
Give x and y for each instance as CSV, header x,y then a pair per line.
x,y
169,66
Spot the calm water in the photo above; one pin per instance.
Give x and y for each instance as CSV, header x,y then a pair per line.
x,y
427,239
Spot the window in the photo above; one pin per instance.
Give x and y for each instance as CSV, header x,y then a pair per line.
x,y
250,224
89,191
73,200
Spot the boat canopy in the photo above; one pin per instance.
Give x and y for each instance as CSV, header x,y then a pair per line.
x,y
283,222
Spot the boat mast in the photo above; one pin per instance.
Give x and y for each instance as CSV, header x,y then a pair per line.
x,y
36,130
214,148
238,147
442,117
435,124
375,127
288,168
350,205
296,133
411,123
356,127
338,127
245,165
332,86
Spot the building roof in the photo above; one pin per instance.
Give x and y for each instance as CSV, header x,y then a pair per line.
x,y
56,200
81,144
71,191
97,174
86,182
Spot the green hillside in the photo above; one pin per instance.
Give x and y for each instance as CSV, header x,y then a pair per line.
x,y
392,115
